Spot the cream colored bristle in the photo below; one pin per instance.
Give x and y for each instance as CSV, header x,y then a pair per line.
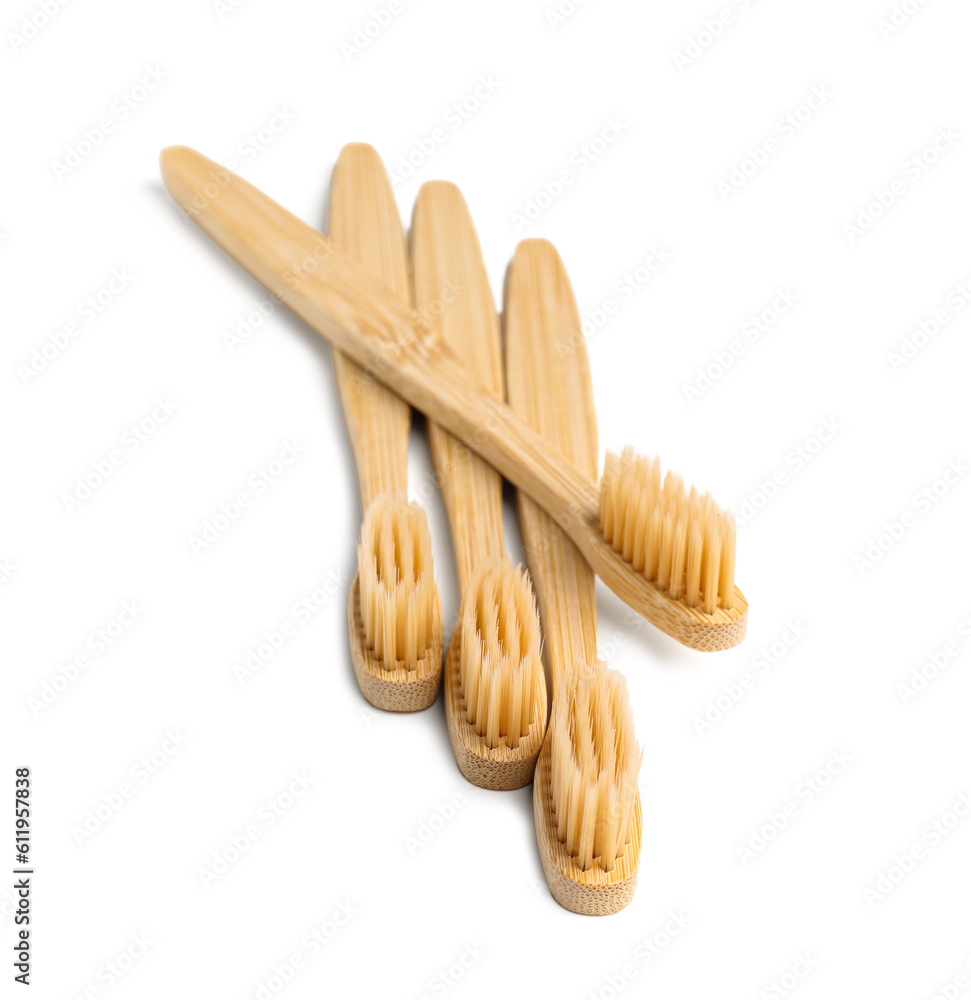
x,y
678,539
400,604
594,763
501,681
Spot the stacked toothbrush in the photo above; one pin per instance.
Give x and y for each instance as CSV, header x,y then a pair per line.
x,y
667,551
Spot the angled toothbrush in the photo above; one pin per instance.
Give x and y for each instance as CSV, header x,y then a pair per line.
x,y
395,346
495,690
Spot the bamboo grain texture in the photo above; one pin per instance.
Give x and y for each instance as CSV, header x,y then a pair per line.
x,y
549,386
394,345
452,293
446,257
594,892
365,224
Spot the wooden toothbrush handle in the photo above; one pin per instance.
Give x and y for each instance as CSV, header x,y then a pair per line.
x,y
307,272
452,292
549,387
364,222
356,314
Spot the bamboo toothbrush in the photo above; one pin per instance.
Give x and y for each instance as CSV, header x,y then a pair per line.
x,y
495,690
394,610
586,804
358,316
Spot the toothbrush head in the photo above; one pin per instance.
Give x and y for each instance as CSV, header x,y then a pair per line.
x,y
680,540
501,680
594,763
586,803
395,609
495,687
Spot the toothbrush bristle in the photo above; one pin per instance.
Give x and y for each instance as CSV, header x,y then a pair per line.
x,y
680,540
400,604
594,763
501,682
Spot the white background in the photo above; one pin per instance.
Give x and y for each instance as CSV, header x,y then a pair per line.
x,y
377,779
